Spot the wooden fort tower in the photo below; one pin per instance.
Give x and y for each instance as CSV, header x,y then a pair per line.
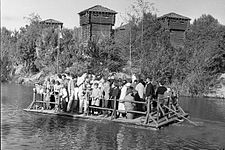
x,y
52,23
176,25
97,22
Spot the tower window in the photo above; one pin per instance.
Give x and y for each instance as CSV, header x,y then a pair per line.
x,y
95,14
174,21
106,15
182,22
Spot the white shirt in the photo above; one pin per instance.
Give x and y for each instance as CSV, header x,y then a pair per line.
x,y
123,92
70,87
80,90
81,79
76,90
140,89
63,92
96,93
133,78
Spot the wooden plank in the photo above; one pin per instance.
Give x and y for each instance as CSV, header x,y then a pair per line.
x,y
114,110
161,109
34,98
131,111
148,111
137,102
174,108
120,120
153,119
149,115
158,109
122,111
46,102
181,115
102,108
153,113
181,109
150,119
30,106
171,120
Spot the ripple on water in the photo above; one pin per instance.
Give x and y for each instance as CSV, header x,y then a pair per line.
x,y
22,130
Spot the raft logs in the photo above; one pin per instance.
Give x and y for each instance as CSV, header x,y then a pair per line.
x,y
164,114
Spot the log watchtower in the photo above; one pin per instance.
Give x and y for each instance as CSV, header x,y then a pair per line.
x,y
52,23
176,25
97,22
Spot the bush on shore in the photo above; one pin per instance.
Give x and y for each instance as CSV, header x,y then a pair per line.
x,y
192,69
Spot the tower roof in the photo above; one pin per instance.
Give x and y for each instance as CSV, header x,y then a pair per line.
x,y
174,15
51,21
98,8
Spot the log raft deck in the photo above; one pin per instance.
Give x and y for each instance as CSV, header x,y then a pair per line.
x,y
162,116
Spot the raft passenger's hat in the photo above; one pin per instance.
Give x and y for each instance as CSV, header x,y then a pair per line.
x,y
128,84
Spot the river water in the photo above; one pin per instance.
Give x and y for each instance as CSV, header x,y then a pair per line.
x,y
25,131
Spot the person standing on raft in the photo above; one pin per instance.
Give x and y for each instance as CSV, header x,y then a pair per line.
x,y
129,105
150,92
121,106
71,92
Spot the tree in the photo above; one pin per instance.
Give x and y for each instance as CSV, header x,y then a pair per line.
x,y
205,53
104,55
27,43
8,43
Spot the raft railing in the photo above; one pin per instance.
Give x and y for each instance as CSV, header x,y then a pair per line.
x,y
41,100
162,117
158,118
114,110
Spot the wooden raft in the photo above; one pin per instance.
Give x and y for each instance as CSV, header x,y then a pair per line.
x,y
155,118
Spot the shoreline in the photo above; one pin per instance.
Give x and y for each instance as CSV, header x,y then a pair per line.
x,y
29,82
31,79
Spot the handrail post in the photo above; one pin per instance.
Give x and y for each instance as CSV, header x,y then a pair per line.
x,y
42,99
56,101
34,94
148,110
158,109
34,97
114,110
169,105
87,103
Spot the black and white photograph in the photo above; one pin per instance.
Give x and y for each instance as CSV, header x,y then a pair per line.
x,y
112,75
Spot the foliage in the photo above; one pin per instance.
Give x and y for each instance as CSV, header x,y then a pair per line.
x,y
104,55
193,69
205,53
7,53
78,68
27,43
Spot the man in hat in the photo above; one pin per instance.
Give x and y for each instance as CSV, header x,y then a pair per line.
x,y
149,90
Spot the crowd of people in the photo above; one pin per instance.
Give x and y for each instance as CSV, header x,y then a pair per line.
x,y
70,93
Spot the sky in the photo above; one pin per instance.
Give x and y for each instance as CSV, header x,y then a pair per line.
x,y
66,11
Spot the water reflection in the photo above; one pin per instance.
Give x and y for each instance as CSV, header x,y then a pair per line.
x,y
208,109
22,130
220,106
120,138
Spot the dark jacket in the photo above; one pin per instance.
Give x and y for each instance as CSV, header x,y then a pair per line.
x,y
137,97
114,92
149,90
160,90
